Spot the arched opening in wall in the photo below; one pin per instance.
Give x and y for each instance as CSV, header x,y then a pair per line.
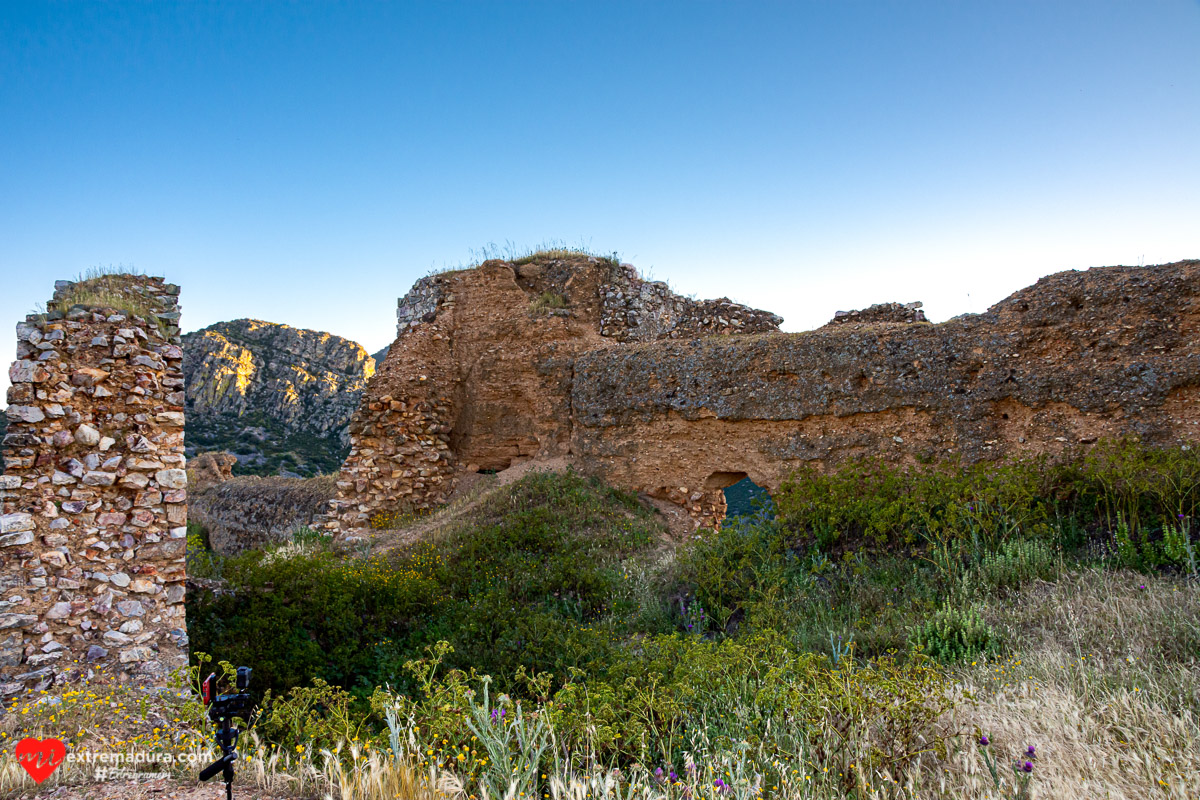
x,y
743,497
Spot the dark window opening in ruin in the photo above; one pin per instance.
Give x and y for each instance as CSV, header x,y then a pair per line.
x,y
745,498
719,480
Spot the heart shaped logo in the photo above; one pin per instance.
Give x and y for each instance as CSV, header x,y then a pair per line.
x,y
40,757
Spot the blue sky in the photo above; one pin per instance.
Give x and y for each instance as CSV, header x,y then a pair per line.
x,y
305,163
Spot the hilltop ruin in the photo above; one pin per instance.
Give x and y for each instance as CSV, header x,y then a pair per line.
x,y
675,398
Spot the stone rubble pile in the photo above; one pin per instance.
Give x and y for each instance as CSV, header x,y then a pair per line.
x,y
635,310
890,313
93,530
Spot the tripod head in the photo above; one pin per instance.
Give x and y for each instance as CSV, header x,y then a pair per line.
x,y
222,708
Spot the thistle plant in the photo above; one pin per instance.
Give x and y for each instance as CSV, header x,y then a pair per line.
x,y
1022,769
515,745
841,649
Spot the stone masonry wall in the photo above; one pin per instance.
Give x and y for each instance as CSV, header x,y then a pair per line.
x,y
895,313
93,531
249,512
635,310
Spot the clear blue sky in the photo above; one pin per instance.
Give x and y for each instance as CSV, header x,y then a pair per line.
x,y
304,163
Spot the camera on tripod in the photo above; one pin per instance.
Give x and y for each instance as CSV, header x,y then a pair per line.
x,y
222,708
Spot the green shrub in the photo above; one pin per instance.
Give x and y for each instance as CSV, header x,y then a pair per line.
x,y
1179,548
548,300
535,579
953,634
317,716
673,695
728,571
1119,491
874,503
1018,561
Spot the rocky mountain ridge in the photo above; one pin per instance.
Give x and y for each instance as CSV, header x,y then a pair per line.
x,y
278,397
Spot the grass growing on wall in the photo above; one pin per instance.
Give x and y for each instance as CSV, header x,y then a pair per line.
x,y
109,287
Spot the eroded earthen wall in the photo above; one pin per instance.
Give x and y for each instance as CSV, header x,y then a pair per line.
x,y
480,375
580,358
1077,357
93,531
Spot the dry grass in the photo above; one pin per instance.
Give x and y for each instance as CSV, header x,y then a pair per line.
x,y
109,287
1105,683
549,250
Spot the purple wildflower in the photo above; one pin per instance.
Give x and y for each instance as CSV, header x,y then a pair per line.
x,y
1027,766
1031,751
983,740
673,776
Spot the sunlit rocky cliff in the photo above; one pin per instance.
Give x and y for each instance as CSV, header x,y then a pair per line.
x,y
280,398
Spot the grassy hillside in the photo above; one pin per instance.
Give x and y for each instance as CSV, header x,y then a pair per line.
x,y
857,644
264,445
1029,629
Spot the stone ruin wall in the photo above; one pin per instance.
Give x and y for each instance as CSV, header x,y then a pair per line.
x,y
651,393
480,374
1078,357
93,531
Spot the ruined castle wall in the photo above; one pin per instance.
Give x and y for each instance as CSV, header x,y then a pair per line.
x,y
1076,357
249,512
480,375
680,398
93,531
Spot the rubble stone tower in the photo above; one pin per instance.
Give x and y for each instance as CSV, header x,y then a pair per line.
x,y
93,532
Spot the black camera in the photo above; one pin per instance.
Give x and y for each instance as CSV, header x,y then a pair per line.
x,y
222,709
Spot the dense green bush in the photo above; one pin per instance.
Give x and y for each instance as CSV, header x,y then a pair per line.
x,y
1018,561
535,579
954,633
1116,489
872,502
